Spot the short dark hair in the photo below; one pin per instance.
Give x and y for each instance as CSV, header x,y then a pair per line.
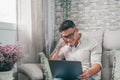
x,y
66,25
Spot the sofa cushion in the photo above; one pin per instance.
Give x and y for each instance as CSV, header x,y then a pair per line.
x,y
96,34
106,65
33,71
111,39
111,64
116,62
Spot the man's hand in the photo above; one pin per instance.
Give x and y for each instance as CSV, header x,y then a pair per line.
x,y
54,54
62,42
85,75
94,69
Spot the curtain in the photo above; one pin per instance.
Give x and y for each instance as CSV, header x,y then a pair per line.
x,y
30,29
49,23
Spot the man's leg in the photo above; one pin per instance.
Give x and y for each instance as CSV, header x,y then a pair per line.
x,y
76,79
90,78
57,79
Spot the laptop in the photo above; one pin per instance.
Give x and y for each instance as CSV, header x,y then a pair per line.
x,y
67,70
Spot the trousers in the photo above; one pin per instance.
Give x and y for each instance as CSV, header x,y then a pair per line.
x,y
76,79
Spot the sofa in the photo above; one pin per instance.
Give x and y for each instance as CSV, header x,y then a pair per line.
x,y
109,40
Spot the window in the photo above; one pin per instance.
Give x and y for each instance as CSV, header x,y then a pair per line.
x,y
8,11
7,21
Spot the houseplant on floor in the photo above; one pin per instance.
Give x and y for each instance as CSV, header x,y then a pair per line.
x,y
9,54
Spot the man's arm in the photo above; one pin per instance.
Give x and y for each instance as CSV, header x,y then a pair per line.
x,y
55,54
95,68
96,52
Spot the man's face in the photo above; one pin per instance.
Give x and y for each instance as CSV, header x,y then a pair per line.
x,y
69,36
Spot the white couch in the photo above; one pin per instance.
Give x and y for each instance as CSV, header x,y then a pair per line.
x,y
109,40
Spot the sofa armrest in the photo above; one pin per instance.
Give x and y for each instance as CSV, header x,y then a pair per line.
x,y
32,71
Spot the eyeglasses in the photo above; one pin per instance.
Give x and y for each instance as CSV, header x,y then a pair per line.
x,y
70,36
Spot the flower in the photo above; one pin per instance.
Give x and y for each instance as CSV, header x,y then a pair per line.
x,y
9,54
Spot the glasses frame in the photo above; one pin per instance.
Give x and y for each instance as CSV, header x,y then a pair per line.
x,y
70,36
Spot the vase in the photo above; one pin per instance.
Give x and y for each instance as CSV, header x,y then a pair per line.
x,y
6,75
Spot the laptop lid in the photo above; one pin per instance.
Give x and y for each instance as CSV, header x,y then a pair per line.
x,y
67,70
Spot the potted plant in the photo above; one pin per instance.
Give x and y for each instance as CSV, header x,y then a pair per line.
x,y
9,54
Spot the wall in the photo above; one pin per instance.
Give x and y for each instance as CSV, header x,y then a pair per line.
x,y
91,14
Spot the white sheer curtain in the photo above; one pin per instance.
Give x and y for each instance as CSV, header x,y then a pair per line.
x,y
30,29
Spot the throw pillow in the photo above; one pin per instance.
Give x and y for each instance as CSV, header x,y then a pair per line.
x,y
116,64
46,67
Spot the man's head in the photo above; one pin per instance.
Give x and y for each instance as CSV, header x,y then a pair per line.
x,y
69,32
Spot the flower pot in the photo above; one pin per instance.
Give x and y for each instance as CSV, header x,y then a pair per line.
x,y
6,75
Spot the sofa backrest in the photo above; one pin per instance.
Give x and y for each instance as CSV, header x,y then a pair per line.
x,y
95,34
111,41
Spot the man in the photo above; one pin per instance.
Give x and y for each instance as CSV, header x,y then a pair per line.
x,y
77,47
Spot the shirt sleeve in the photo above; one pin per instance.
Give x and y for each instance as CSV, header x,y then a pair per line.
x,y
96,53
61,55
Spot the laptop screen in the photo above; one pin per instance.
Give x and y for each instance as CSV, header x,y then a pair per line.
x,y
67,70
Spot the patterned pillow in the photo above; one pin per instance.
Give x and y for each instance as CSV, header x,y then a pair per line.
x,y
45,66
116,65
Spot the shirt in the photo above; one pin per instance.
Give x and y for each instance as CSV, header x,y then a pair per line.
x,y
88,51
